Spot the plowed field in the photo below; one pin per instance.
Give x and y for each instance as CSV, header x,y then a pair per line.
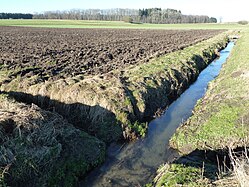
x,y
59,53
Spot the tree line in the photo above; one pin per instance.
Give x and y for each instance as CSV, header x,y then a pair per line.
x,y
15,16
150,15
158,15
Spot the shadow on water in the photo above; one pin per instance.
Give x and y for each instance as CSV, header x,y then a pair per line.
x,y
135,164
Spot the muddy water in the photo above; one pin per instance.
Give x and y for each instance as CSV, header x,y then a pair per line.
x,y
135,163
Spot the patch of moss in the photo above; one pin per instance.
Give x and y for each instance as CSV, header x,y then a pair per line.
x,y
71,169
136,127
77,160
139,128
181,175
68,173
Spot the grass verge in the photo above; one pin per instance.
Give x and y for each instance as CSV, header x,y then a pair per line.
x,y
113,24
219,121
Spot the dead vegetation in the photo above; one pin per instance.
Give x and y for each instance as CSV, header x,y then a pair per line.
x,y
240,163
41,148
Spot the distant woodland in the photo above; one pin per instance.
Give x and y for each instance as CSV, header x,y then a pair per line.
x,y
150,15
15,16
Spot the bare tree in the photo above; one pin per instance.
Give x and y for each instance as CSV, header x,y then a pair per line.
x,y
150,15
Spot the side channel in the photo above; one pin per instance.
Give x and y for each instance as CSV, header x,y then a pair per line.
x,y
135,163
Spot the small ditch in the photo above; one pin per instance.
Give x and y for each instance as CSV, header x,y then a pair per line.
x,y
135,163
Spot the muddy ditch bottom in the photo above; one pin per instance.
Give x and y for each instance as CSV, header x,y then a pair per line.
x,y
135,163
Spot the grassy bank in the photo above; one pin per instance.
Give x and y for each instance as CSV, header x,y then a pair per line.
x,y
40,148
220,122
220,119
113,24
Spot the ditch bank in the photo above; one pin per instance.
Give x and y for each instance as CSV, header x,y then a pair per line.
x,y
114,106
213,142
40,148
136,162
220,118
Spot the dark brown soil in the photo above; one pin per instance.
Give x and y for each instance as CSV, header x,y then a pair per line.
x,y
59,53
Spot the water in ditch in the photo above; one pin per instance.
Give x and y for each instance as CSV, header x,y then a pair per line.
x,y
135,163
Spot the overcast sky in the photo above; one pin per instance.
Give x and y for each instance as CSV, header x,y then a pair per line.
x,y
229,10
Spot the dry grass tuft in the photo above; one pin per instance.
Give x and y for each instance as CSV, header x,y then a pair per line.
x,y
240,163
238,174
